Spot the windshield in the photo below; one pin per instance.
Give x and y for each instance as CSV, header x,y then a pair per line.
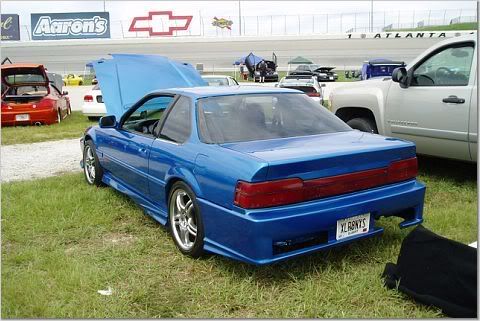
x,y
228,119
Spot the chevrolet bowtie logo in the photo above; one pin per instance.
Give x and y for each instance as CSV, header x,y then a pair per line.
x,y
154,23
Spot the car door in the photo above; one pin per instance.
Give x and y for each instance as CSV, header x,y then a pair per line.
x,y
170,154
125,149
433,111
473,128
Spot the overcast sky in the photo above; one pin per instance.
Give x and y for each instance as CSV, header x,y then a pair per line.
x,y
124,10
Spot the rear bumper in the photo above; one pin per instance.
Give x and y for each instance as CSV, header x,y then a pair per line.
x,y
273,78
46,117
94,109
257,236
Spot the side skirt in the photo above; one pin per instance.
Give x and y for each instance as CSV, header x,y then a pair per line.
x,y
149,207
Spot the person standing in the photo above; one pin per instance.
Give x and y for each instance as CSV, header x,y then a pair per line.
x,y
242,71
262,67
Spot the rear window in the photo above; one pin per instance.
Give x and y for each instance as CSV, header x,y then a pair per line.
x,y
305,89
217,81
239,118
22,75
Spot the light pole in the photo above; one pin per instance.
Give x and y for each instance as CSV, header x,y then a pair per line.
x,y
371,16
240,17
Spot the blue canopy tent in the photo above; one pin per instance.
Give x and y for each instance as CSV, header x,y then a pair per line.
x,y
251,58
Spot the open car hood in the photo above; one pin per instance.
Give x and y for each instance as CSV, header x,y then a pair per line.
x,y
126,78
324,69
24,74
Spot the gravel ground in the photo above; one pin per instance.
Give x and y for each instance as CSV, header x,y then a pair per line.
x,y
38,160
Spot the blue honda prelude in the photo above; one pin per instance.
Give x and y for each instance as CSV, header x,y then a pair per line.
x,y
256,174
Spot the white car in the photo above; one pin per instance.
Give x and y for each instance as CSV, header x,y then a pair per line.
x,y
219,80
306,83
93,106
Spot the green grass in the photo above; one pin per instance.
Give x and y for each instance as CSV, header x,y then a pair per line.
x,y
453,27
63,240
71,127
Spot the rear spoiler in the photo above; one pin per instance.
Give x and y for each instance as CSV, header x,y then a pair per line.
x,y
325,69
399,63
298,76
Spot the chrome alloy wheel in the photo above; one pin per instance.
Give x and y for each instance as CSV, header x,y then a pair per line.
x,y
89,164
183,222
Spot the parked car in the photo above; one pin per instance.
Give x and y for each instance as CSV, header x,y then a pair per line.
x,y
30,98
219,80
432,101
307,84
93,106
379,68
252,173
322,73
72,80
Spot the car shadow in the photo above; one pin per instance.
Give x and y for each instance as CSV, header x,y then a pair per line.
x,y
341,258
450,170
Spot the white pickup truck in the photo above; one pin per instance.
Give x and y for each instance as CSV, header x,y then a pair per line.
x,y
432,102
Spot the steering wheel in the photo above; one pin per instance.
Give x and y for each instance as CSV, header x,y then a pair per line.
x,y
442,72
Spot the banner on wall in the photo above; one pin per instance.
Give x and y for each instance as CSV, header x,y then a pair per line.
x,y
10,27
222,23
160,23
71,25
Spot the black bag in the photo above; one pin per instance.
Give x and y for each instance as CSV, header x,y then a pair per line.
x,y
436,271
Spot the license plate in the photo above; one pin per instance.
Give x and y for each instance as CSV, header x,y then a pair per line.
x,y
22,117
331,78
352,226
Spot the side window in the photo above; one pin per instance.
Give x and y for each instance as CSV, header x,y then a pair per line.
x,y
177,125
147,116
449,67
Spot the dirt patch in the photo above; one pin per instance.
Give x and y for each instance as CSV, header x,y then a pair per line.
x,y
38,160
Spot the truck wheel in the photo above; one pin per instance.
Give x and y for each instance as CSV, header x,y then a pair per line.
x,y
363,124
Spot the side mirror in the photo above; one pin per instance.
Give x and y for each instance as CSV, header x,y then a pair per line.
x,y
65,93
107,121
400,75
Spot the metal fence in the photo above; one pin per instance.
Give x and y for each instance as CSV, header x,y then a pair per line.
x,y
201,26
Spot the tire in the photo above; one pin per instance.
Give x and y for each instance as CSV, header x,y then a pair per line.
x,y
90,160
363,124
80,83
184,222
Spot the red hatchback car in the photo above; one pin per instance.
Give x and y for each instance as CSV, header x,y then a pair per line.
x,y
30,98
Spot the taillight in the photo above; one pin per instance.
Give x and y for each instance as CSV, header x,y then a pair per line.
x,y
295,190
313,94
402,170
271,193
88,98
46,103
